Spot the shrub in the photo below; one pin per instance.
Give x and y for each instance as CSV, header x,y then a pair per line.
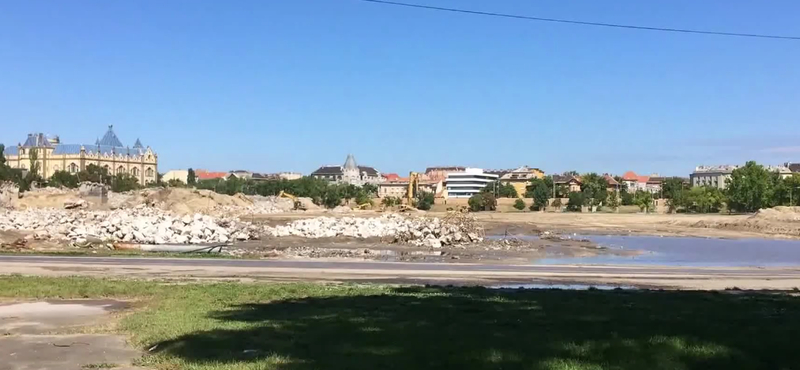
x,y
424,200
476,203
482,202
576,201
519,204
390,201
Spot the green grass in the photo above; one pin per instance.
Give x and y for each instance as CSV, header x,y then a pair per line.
x,y
312,326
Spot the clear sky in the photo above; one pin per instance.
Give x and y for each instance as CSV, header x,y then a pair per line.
x,y
289,85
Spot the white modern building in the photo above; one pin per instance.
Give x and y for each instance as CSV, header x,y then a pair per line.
x,y
717,176
468,183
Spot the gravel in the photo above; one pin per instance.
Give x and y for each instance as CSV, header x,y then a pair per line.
x,y
142,225
424,231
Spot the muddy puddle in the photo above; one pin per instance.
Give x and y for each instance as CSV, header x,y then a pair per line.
x,y
686,251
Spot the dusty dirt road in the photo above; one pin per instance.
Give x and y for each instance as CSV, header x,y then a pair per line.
x,y
386,272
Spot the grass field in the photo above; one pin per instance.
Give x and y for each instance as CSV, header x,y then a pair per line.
x,y
310,326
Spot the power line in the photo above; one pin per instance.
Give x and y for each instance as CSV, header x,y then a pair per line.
x,y
597,24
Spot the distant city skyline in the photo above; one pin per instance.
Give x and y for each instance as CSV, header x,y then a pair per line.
x,y
293,85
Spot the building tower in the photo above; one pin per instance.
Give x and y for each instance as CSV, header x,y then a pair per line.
x,y
350,169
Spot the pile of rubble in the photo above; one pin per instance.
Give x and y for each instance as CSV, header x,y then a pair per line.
x,y
141,224
8,194
421,231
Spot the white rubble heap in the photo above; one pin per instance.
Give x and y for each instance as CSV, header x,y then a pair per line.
x,y
143,225
421,231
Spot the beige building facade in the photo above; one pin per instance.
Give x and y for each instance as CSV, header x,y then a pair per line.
x,y
139,161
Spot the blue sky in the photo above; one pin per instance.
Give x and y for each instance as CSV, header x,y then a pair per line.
x,y
275,85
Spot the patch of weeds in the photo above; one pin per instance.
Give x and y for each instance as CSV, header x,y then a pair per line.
x,y
102,365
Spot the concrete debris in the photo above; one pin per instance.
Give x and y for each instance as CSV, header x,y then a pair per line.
x,y
180,201
75,203
420,231
8,194
92,189
143,225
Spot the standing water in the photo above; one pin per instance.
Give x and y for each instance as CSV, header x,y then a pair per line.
x,y
683,251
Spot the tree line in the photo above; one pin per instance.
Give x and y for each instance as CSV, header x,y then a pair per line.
x,y
321,192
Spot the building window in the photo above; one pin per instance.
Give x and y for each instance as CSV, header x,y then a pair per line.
x,y
73,168
22,151
120,170
149,172
135,171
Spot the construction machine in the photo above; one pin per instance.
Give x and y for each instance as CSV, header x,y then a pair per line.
x,y
284,194
297,203
413,187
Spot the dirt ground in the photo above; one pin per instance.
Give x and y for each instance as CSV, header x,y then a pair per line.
x,y
767,224
62,334
505,250
762,225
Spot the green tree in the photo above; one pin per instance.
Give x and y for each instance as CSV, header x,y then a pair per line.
x,y
191,178
613,200
750,188
176,183
370,189
519,204
424,200
576,201
787,191
675,190
482,202
124,182
349,191
643,199
363,198
703,199
5,170
63,179
594,188
541,194
95,173
502,190
390,201
34,162
547,181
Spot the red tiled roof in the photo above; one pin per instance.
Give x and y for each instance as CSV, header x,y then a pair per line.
x,y
642,178
630,176
391,176
205,175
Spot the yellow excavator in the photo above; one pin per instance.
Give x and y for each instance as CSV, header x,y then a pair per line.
x,y
413,187
297,203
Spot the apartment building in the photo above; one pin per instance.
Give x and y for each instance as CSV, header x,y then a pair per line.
x,y
467,183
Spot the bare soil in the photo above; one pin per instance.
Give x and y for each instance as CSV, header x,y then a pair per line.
x,y
508,250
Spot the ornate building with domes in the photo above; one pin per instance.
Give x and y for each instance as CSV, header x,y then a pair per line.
x,y
139,161
349,173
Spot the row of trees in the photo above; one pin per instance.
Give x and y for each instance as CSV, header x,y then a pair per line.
x,y
321,192
749,188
